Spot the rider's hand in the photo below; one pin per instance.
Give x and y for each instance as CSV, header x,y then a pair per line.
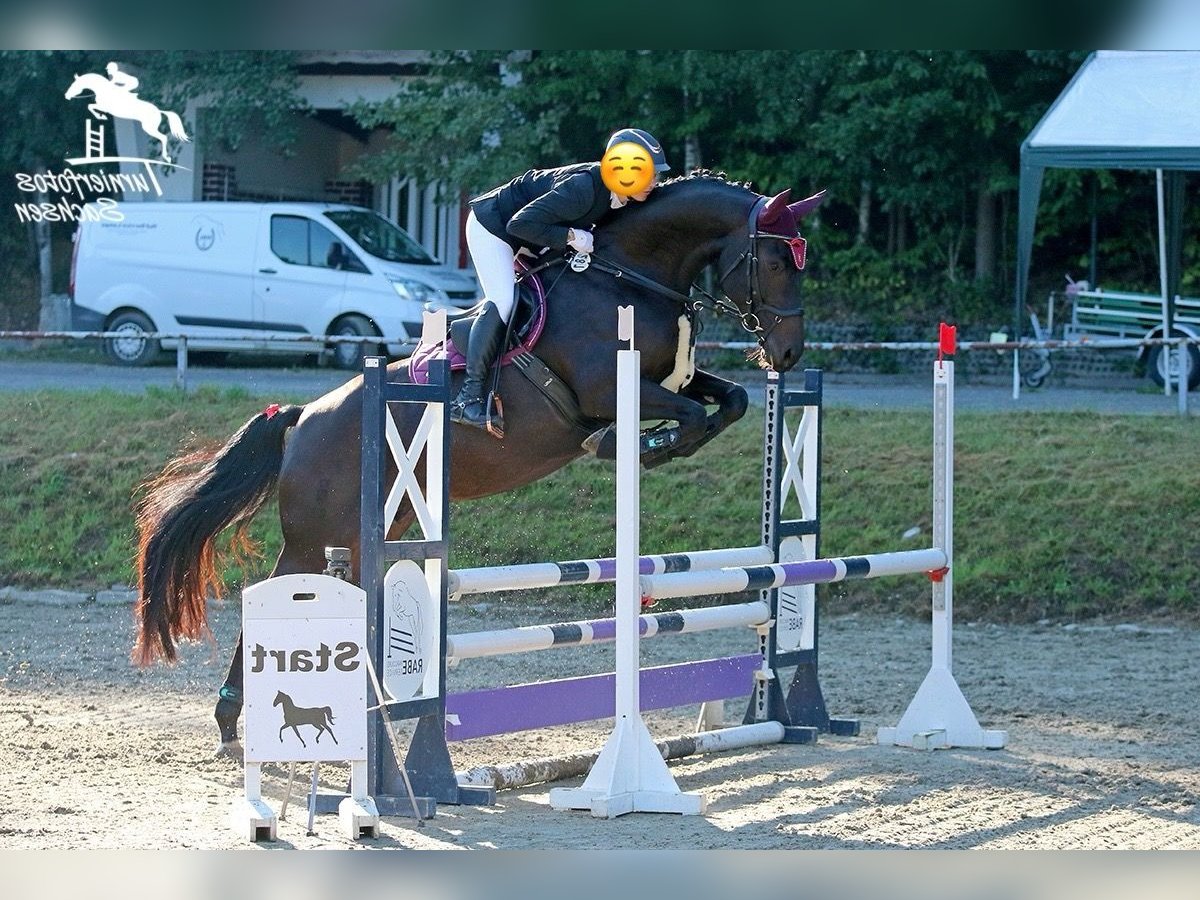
x,y
580,240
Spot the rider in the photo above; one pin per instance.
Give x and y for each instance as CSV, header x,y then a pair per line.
x,y
120,79
542,208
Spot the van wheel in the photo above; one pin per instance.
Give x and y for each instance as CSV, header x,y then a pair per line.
x,y
347,355
1156,365
132,348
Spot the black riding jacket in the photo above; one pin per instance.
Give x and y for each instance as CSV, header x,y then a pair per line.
x,y
537,209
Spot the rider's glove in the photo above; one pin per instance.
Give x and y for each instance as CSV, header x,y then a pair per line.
x,y
580,240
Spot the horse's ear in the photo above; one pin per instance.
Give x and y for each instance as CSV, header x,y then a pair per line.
x,y
802,208
774,208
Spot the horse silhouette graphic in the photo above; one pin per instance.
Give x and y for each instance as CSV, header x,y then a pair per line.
x,y
294,716
113,96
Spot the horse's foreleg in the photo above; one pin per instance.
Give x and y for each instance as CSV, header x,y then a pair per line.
x,y
657,444
661,444
730,399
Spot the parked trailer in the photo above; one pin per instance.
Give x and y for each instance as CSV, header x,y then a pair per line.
x,y
1120,314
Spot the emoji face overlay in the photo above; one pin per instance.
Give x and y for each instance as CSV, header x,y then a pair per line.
x,y
627,169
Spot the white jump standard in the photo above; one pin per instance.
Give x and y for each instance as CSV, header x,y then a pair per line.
x,y
939,715
630,775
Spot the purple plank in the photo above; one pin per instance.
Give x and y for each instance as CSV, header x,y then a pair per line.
x,y
538,705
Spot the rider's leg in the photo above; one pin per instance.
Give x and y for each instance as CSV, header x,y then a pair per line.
x,y
493,259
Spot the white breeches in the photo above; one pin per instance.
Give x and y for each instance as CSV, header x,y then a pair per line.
x,y
493,260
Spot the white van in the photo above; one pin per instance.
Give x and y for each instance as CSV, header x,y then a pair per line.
x,y
216,270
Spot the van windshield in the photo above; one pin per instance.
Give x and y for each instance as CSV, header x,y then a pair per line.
x,y
380,238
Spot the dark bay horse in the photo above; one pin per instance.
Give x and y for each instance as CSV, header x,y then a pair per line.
x,y
660,246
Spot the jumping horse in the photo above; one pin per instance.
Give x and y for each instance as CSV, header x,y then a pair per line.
x,y
648,256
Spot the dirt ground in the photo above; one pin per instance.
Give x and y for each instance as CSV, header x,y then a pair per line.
x,y
1104,746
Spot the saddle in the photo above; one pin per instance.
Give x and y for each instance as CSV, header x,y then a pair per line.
x,y
528,322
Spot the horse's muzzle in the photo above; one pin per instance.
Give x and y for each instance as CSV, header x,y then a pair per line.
x,y
785,344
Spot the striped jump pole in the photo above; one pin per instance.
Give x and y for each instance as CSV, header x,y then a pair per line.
x,y
596,571
527,638
630,774
816,571
939,715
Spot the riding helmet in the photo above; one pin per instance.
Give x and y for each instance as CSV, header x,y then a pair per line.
x,y
643,139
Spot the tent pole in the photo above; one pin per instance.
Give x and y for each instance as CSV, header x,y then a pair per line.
x,y
1167,350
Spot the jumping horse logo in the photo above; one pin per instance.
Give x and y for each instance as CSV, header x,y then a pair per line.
x,y
321,718
113,96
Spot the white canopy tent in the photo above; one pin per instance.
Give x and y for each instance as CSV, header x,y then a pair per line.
x,y
1122,110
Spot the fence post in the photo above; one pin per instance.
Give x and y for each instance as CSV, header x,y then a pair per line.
x,y
181,362
1185,359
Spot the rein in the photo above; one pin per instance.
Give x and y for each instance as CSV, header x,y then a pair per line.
x,y
751,319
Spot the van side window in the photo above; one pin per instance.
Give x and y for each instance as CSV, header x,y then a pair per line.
x,y
289,239
324,249
303,242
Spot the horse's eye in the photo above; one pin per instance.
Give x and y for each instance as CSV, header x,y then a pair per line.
x,y
775,267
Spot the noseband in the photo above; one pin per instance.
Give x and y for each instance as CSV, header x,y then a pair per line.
x,y
752,317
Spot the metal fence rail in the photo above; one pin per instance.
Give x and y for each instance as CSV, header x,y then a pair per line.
x,y
1177,344
315,341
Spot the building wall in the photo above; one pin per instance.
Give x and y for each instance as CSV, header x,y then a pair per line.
x,y
265,172
314,169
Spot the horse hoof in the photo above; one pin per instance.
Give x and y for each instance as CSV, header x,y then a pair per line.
x,y
656,458
232,749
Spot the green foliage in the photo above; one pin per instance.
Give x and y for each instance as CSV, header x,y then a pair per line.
x,y
912,146
918,134
1056,515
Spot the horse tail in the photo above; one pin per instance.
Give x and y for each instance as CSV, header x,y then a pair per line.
x,y
179,515
176,125
328,714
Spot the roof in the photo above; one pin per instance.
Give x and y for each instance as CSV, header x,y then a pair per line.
x,y
1122,110
1126,109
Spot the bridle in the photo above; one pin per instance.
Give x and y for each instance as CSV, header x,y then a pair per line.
x,y
752,317
758,318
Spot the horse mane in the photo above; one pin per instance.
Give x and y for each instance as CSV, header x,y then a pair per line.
x,y
698,190
705,175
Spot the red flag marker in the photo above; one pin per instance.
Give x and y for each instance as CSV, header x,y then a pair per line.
x,y
947,340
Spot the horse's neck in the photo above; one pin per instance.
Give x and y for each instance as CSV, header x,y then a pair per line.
x,y
676,238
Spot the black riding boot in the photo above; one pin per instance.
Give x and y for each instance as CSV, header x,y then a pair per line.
x,y
487,334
